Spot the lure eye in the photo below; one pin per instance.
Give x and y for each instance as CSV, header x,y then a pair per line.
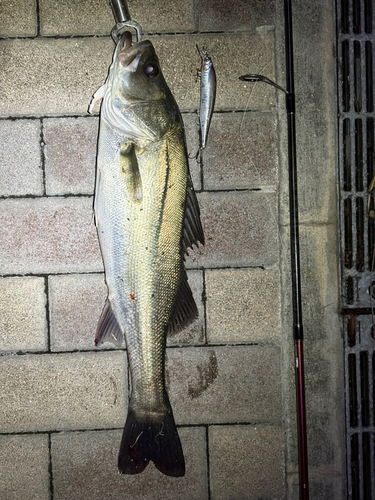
x,y
151,70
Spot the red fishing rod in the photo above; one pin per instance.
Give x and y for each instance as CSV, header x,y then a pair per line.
x,y
295,260
294,248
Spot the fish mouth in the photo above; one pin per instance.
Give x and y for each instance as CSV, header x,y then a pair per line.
x,y
129,54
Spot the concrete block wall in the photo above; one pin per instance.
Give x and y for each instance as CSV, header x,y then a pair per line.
x,y
230,375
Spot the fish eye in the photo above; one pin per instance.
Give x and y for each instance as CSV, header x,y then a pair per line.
x,y
151,70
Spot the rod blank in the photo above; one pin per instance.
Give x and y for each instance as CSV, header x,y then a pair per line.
x,y
295,259
120,10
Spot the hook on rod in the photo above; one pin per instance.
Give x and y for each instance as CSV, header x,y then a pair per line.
x,y
119,28
122,17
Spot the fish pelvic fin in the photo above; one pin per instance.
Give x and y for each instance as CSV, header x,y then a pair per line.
x,y
152,437
108,329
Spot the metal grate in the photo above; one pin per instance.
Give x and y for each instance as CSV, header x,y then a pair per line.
x,y
356,65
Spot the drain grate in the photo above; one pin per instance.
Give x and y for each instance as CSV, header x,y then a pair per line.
x,y
355,70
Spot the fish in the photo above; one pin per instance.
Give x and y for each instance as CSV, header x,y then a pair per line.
x,y
147,217
207,94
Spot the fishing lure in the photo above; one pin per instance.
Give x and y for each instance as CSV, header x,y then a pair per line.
x,y
208,94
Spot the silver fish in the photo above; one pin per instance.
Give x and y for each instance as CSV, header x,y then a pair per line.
x,y
147,216
208,93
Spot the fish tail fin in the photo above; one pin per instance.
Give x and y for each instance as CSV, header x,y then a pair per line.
x,y
151,438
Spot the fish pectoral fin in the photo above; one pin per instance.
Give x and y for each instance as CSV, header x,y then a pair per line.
x,y
98,179
97,98
130,171
185,310
192,231
152,437
108,329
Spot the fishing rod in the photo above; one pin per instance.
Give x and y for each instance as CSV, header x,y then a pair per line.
x,y
294,248
120,10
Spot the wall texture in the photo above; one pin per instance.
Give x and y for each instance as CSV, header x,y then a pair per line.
x,y
230,375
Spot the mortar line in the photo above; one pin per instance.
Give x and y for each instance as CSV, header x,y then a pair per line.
x,y
208,464
261,190
50,472
37,6
263,109
14,118
39,197
43,275
51,432
308,224
233,345
204,300
270,267
42,156
47,310
196,14
74,36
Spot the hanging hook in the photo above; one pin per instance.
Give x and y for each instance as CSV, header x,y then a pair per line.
x,y
122,17
119,28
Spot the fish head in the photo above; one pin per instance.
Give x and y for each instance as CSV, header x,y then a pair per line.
x,y
140,75
138,98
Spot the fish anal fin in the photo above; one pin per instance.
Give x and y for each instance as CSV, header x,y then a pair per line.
x,y
152,437
108,329
192,232
130,172
185,310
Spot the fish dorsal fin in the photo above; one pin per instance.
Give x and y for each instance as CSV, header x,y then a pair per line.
x,y
130,172
185,310
108,329
192,231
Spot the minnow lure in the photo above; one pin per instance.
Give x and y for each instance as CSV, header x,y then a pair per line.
x,y
208,94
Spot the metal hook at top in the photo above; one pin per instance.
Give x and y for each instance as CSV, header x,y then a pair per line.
x,y
119,28
122,17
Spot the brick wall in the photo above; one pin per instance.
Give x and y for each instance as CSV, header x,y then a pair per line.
x,y
230,375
